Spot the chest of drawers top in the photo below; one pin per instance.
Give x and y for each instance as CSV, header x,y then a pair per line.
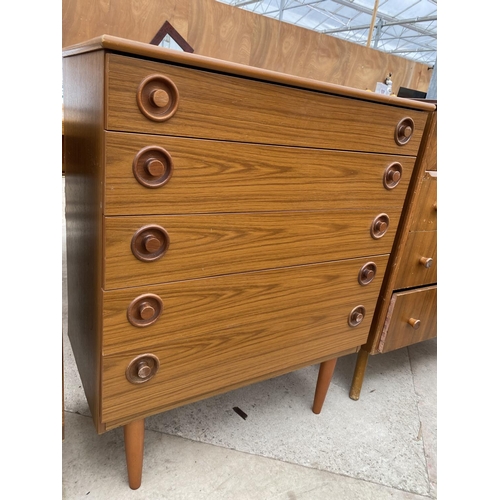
x,y
167,92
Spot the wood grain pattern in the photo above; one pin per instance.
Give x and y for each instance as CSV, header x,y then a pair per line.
x,y
225,32
412,272
212,245
213,33
425,157
420,304
256,112
212,176
83,146
424,217
217,332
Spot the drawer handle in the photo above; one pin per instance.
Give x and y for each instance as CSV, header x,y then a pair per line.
x,y
392,175
152,166
415,323
379,227
150,243
357,315
367,273
157,98
404,131
144,310
142,368
426,262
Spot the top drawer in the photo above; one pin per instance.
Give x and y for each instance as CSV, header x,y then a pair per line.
x,y
160,98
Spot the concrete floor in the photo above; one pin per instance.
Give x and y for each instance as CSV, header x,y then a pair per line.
x,y
380,447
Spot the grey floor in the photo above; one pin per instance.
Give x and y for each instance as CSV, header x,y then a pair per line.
x,y
380,447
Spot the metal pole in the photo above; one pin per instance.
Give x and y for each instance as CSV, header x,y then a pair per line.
x,y
374,17
282,6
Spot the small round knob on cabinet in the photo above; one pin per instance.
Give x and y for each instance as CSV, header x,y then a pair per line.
x,y
426,262
392,175
415,323
435,206
404,131
144,310
152,166
155,167
367,273
159,98
379,226
142,368
150,243
356,316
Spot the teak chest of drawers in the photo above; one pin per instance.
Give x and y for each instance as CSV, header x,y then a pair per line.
x,y
224,224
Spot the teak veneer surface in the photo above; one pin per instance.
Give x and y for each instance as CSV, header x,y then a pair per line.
x,y
424,216
411,271
220,331
276,181
419,304
253,111
145,50
213,176
208,245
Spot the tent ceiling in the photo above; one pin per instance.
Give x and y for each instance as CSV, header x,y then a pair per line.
x,y
407,28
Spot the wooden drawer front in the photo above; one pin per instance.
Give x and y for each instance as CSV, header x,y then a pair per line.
x,y
210,245
413,305
412,272
213,176
425,211
215,333
216,106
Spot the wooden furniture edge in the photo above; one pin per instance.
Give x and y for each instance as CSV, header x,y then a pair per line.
x,y
174,56
387,288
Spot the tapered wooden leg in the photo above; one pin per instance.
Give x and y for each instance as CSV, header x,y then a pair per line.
x,y
359,374
134,451
325,375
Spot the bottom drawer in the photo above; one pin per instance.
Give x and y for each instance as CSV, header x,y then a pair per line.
x,y
215,334
411,318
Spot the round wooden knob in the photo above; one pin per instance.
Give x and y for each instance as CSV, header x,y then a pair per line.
x,y
435,206
380,225
356,316
155,167
159,98
415,323
152,166
426,262
150,243
404,131
367,273
392,175
142,368
144,310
